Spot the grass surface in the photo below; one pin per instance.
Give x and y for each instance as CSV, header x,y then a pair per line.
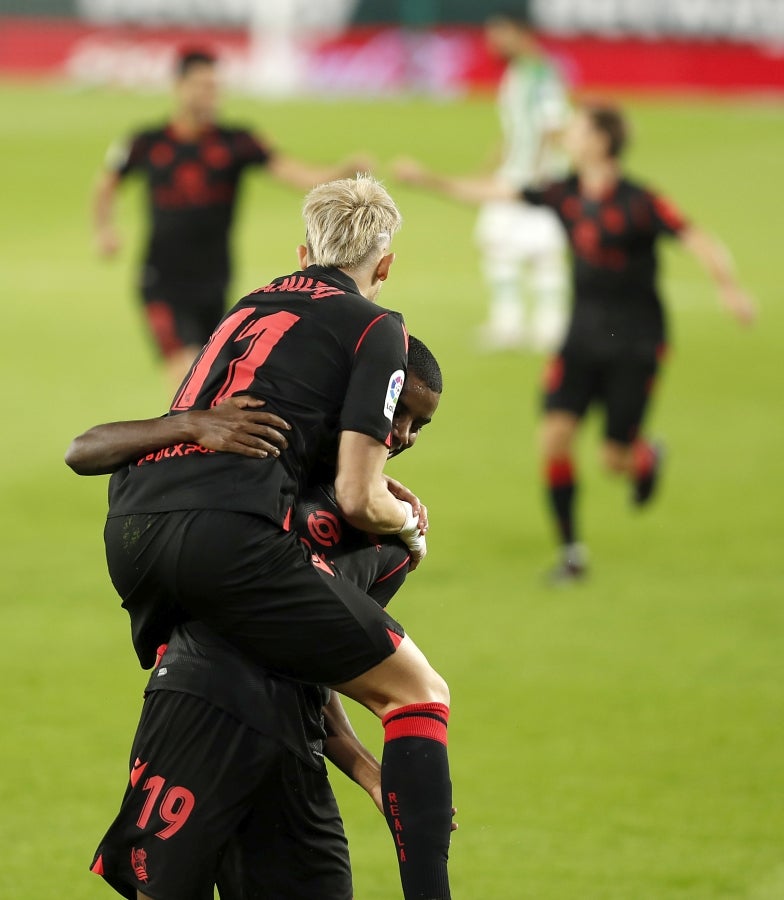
x,y
622,740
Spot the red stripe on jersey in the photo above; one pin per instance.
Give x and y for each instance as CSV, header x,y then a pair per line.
x,y
560,472
669,214
287,520
97,866
405,337
159,654
364,333
405,562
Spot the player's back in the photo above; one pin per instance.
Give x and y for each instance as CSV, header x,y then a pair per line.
x,y
322,356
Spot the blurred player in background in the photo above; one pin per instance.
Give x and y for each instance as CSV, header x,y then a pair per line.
x,y
617,334
193,166
523,249
274,827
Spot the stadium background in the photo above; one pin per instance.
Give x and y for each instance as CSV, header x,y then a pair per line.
x,y
621,740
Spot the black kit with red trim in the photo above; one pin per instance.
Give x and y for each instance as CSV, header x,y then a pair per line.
x,y
617,307
323,357
191,195
377,564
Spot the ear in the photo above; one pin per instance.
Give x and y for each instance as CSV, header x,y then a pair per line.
x,y
302,256
384,265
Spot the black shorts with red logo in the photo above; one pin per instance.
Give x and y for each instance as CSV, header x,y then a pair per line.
x,y
621,385
182,315
210,800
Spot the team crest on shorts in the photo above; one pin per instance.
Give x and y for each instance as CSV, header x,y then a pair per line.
x,y
139,864
393,393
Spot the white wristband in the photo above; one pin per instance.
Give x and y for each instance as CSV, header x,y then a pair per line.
x,y
409,533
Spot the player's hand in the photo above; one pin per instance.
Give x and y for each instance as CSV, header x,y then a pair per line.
x,y
740,304
237,425
107,242
401,492
412,537
409,171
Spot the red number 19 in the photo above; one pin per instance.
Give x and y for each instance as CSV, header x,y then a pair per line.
x,y
176,807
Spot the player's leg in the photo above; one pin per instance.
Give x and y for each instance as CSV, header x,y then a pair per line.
x,y
625,451
181,318
292,845
569,388
312,626
548,280
412,701
498,237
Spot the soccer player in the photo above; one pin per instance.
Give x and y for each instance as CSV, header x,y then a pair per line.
x,y
283,836
523,248
617,336
193,168
198,535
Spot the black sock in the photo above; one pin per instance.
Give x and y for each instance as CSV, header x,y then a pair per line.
x,y
561,491
417,796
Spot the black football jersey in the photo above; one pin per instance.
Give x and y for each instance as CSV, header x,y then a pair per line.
x,y
323,357
191,193
613,238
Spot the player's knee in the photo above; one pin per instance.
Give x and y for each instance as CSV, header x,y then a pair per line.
x,y
556,437
437,689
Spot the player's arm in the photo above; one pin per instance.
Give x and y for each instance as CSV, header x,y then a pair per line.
x,y
304,176
363,496
465,189
107,240
348,753
238,425
716,260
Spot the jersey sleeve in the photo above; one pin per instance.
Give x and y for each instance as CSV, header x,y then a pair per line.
x,y
390,580
125,156
666,217
251,150
377,376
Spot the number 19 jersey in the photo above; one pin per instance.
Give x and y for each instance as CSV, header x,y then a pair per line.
x,y
321,355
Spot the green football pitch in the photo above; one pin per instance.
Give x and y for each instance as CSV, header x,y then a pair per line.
x,y
621,740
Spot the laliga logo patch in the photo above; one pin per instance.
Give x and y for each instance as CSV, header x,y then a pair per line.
x,y
393,393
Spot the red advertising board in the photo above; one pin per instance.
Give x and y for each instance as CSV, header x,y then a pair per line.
x,y
386,60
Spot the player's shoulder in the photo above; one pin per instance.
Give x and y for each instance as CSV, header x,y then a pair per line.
x,y
234,131
634,187
149,133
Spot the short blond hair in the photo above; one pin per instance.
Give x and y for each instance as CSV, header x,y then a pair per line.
x,y
346,220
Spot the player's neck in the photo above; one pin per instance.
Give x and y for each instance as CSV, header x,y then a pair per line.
x,y
187,126
599,178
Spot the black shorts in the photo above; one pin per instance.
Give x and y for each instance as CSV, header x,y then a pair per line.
x,y
622,386
183,315
253,585
211,800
